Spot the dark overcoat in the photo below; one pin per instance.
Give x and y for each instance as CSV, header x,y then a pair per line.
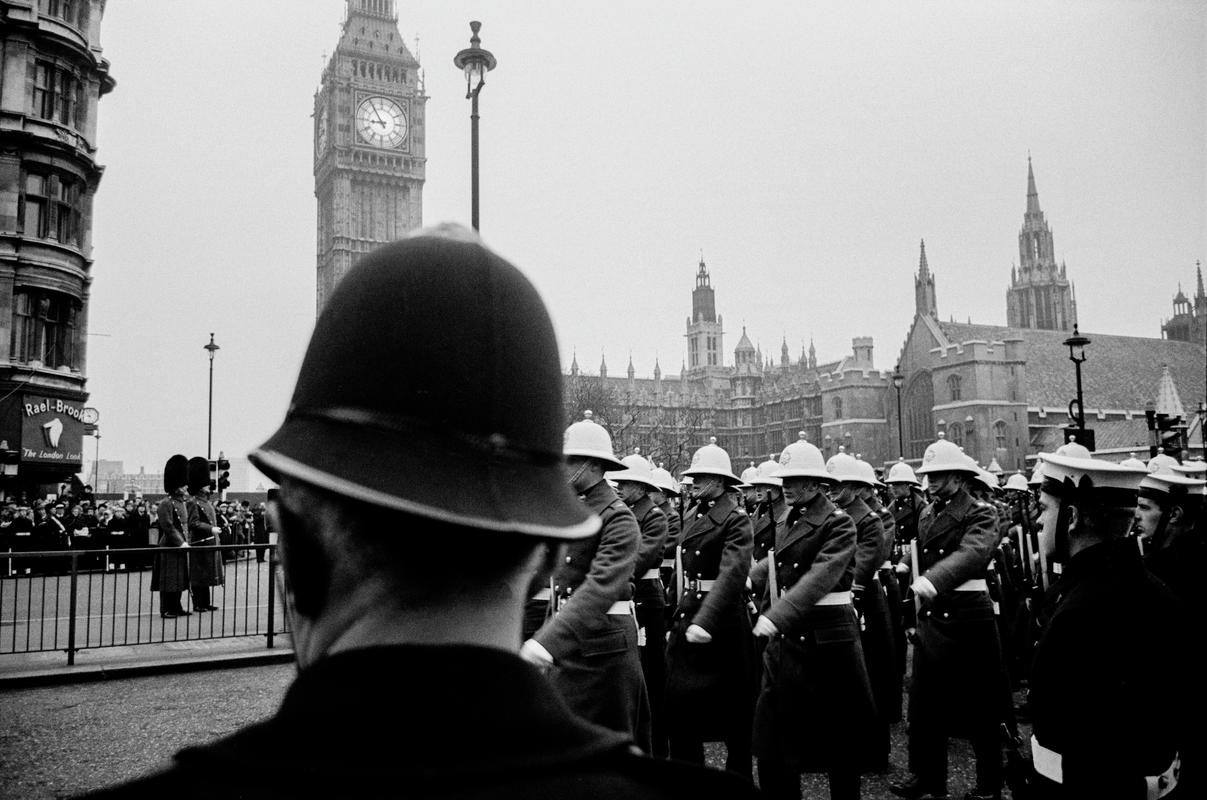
x,y
958,683
815,711
205,566
876,627
893,593
674,532
455,722
171,568
597,669
1108,681
709,687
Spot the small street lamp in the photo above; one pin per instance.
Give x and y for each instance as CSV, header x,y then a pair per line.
x,y
1076,344
898,382
209,436
475,62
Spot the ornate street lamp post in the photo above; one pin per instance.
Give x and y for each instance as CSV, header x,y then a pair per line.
x,y
1076,344
898,381
209,436
475,62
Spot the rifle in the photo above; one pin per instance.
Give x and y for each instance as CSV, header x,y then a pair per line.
x,y
913,559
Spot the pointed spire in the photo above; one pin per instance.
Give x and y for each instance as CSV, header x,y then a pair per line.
x,y
657,369
574,363
812,354
630,371
603,365
1168,401
1198,271
923,267
1032,194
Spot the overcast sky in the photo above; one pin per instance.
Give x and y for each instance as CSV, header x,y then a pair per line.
x,y
805,148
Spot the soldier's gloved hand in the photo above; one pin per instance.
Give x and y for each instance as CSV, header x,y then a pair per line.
x,y
902,568
214,529
535,654
857,599
924,589
697,635
912,635
765,628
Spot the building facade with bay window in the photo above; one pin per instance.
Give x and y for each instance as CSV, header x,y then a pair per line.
x,y
52,76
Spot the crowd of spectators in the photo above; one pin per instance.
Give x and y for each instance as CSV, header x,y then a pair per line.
x,y
77,521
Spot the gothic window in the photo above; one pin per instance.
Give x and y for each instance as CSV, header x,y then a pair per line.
x,y
953,386
61,9
56,93
918,405
44,328
955,433
837,408
1000,435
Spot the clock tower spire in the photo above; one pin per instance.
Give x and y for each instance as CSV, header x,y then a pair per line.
x,y
369,152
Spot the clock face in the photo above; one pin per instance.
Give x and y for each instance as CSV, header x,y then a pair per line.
x,y
381,122
89,416
320,135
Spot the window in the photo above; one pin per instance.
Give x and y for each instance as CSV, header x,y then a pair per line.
x,y
1000,435
953,386
837,408
955,433
61,9
56,93
50,207
44,328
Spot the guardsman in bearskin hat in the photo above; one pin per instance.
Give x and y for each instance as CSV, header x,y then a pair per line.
x,y
815,711
170,576
422,486
1169,515
1108,677
587,636
205,566
634,485
709,688
958,686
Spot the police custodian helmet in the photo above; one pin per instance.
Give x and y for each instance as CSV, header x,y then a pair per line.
x,y
432,386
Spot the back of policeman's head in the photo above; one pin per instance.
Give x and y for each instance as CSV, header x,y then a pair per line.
x,y
426,422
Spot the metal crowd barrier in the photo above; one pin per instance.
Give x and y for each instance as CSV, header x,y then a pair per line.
x,y
72,600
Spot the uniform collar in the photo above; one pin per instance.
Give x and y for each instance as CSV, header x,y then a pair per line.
x,y
857,509
643,507
599,496
722,507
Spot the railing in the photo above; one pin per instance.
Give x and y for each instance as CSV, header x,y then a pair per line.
x,y
73,600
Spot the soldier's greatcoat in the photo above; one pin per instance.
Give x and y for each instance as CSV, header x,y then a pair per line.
x,y
709,691
1106,684
957,684
171,573
596,667
205,566
815,711
649,595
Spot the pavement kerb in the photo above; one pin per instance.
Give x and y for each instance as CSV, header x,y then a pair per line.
x,y
19,671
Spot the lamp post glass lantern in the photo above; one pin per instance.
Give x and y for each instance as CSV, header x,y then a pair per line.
x,y
209,435
898,382
475,63
1076,344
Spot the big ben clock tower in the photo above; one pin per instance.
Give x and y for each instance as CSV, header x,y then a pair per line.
x,y
368,142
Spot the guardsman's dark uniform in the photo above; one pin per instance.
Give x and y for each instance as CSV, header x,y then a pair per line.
x,y
906,511
892,595
205,566
591,633
674,531
709,688
649,595
958,687
815,711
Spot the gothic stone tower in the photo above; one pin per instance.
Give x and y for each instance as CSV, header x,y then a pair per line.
x,y
369,158
53,79
704,347
1040,295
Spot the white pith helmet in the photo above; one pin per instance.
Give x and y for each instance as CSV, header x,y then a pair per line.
x,y
637,469
844,468
588,439
1037,474
988,479
902,473
1162,461
867,471
748,475
712,460
802,460
766,474
945,456
1132,461
664,480
1072,449
1017,483
1196,468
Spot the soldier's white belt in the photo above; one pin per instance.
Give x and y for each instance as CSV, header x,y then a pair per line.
x,y
835,599
1049,764
974,585
668,563
545,594
702,585
651,575
887,565
623,608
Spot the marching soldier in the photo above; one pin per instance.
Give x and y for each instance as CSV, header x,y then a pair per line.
x,y
587,642
205,566
908,501
661,497
634,485
815,711
771,511
888,707
1107,682
957,686
170,576
709,688
750,492
1169,516
854,478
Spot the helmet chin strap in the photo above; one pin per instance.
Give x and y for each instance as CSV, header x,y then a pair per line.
x,y
573,479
